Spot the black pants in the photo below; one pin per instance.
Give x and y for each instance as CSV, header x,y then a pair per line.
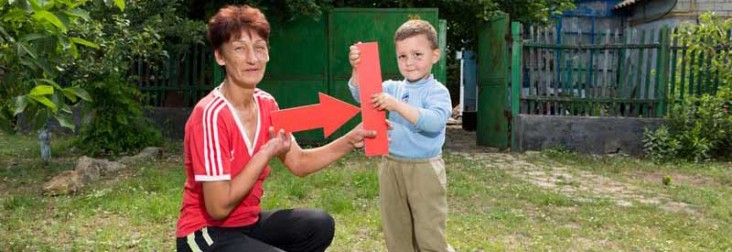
x,y
281,230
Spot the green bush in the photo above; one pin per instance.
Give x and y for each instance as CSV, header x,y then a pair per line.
x,y
148,30
117,124
660,145
699,128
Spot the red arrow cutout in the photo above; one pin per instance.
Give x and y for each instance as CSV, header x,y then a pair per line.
x,y
330,114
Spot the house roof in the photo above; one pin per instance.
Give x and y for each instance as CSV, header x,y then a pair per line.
x,y
625,4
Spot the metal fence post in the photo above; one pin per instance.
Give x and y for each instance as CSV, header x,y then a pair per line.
x,y
662,75
516,69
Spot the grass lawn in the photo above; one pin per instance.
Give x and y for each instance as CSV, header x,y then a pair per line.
x,y
493,206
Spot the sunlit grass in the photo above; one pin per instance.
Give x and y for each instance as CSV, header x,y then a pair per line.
x,y
136,209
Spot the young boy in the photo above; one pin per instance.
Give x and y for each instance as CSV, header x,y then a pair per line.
x,y
412,181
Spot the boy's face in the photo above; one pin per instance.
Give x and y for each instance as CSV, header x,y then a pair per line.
x,y
244,59
415,57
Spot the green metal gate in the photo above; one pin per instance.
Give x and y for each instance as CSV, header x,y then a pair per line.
x,y
493,107
348,26
306,57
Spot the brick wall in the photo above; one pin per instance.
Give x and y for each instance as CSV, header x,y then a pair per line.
x,y
721,7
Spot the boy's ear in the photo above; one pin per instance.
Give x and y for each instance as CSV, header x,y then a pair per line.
x,y
219,57
435,55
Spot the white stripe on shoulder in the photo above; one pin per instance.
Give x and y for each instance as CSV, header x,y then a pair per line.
x,y
217,143
206,126
210,142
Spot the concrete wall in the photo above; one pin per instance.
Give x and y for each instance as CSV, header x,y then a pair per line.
x,y
721,7
657,13
590,135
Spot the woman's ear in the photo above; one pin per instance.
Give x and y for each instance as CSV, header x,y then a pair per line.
x,y
219,57
435,55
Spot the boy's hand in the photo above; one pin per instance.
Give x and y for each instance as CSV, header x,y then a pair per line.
x,y
384,101
278,144
354,55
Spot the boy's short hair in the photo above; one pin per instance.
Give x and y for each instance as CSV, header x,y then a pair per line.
x,y
417,27
229,21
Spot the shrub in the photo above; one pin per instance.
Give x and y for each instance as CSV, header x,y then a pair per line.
x,y
116,123
699,128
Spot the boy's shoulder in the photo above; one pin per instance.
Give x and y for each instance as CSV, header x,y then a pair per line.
x,y
438,85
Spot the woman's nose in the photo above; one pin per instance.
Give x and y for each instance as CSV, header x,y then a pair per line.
x,y
251,56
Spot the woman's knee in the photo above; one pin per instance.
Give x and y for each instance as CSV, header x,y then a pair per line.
x,y
321,220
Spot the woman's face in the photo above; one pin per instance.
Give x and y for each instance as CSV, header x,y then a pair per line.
x,y
244,59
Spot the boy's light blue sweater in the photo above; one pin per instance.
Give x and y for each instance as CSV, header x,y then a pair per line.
x,y
425,138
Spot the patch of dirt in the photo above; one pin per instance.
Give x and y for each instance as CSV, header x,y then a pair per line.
x,y
459,140
573,183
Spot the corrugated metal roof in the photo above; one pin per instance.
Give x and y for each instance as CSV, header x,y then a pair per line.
x,y
626,3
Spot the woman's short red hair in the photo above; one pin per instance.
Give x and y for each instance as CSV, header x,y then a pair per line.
x,y
230,21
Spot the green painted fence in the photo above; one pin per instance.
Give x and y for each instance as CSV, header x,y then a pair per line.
x,y
177,81
633,73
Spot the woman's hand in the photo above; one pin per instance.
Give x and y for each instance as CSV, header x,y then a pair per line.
x,y
355,137
278,143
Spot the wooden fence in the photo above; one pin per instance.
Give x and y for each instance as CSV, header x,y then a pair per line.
x,y
630,73
179,80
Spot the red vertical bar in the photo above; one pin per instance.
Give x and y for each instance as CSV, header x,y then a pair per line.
x,y
369,81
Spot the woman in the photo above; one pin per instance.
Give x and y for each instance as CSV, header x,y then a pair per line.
x,y
228,143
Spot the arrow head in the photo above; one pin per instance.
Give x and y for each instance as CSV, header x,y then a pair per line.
x,y
335,113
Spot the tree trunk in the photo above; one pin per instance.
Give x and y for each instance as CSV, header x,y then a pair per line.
x,y
44,136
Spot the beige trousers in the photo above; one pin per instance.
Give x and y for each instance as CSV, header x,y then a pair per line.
x,y
413,201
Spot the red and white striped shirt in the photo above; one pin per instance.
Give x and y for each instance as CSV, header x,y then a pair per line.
x,y
217,148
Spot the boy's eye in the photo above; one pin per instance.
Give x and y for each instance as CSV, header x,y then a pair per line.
x,y
402,56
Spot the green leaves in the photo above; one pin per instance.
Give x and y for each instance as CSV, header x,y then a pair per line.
x,y
20,103
46,96
120,4
710,37
78,13
41,90
84,42
40,93
46,102
23,50
72,93
65,121
698,129
43,15
15,15
33,36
